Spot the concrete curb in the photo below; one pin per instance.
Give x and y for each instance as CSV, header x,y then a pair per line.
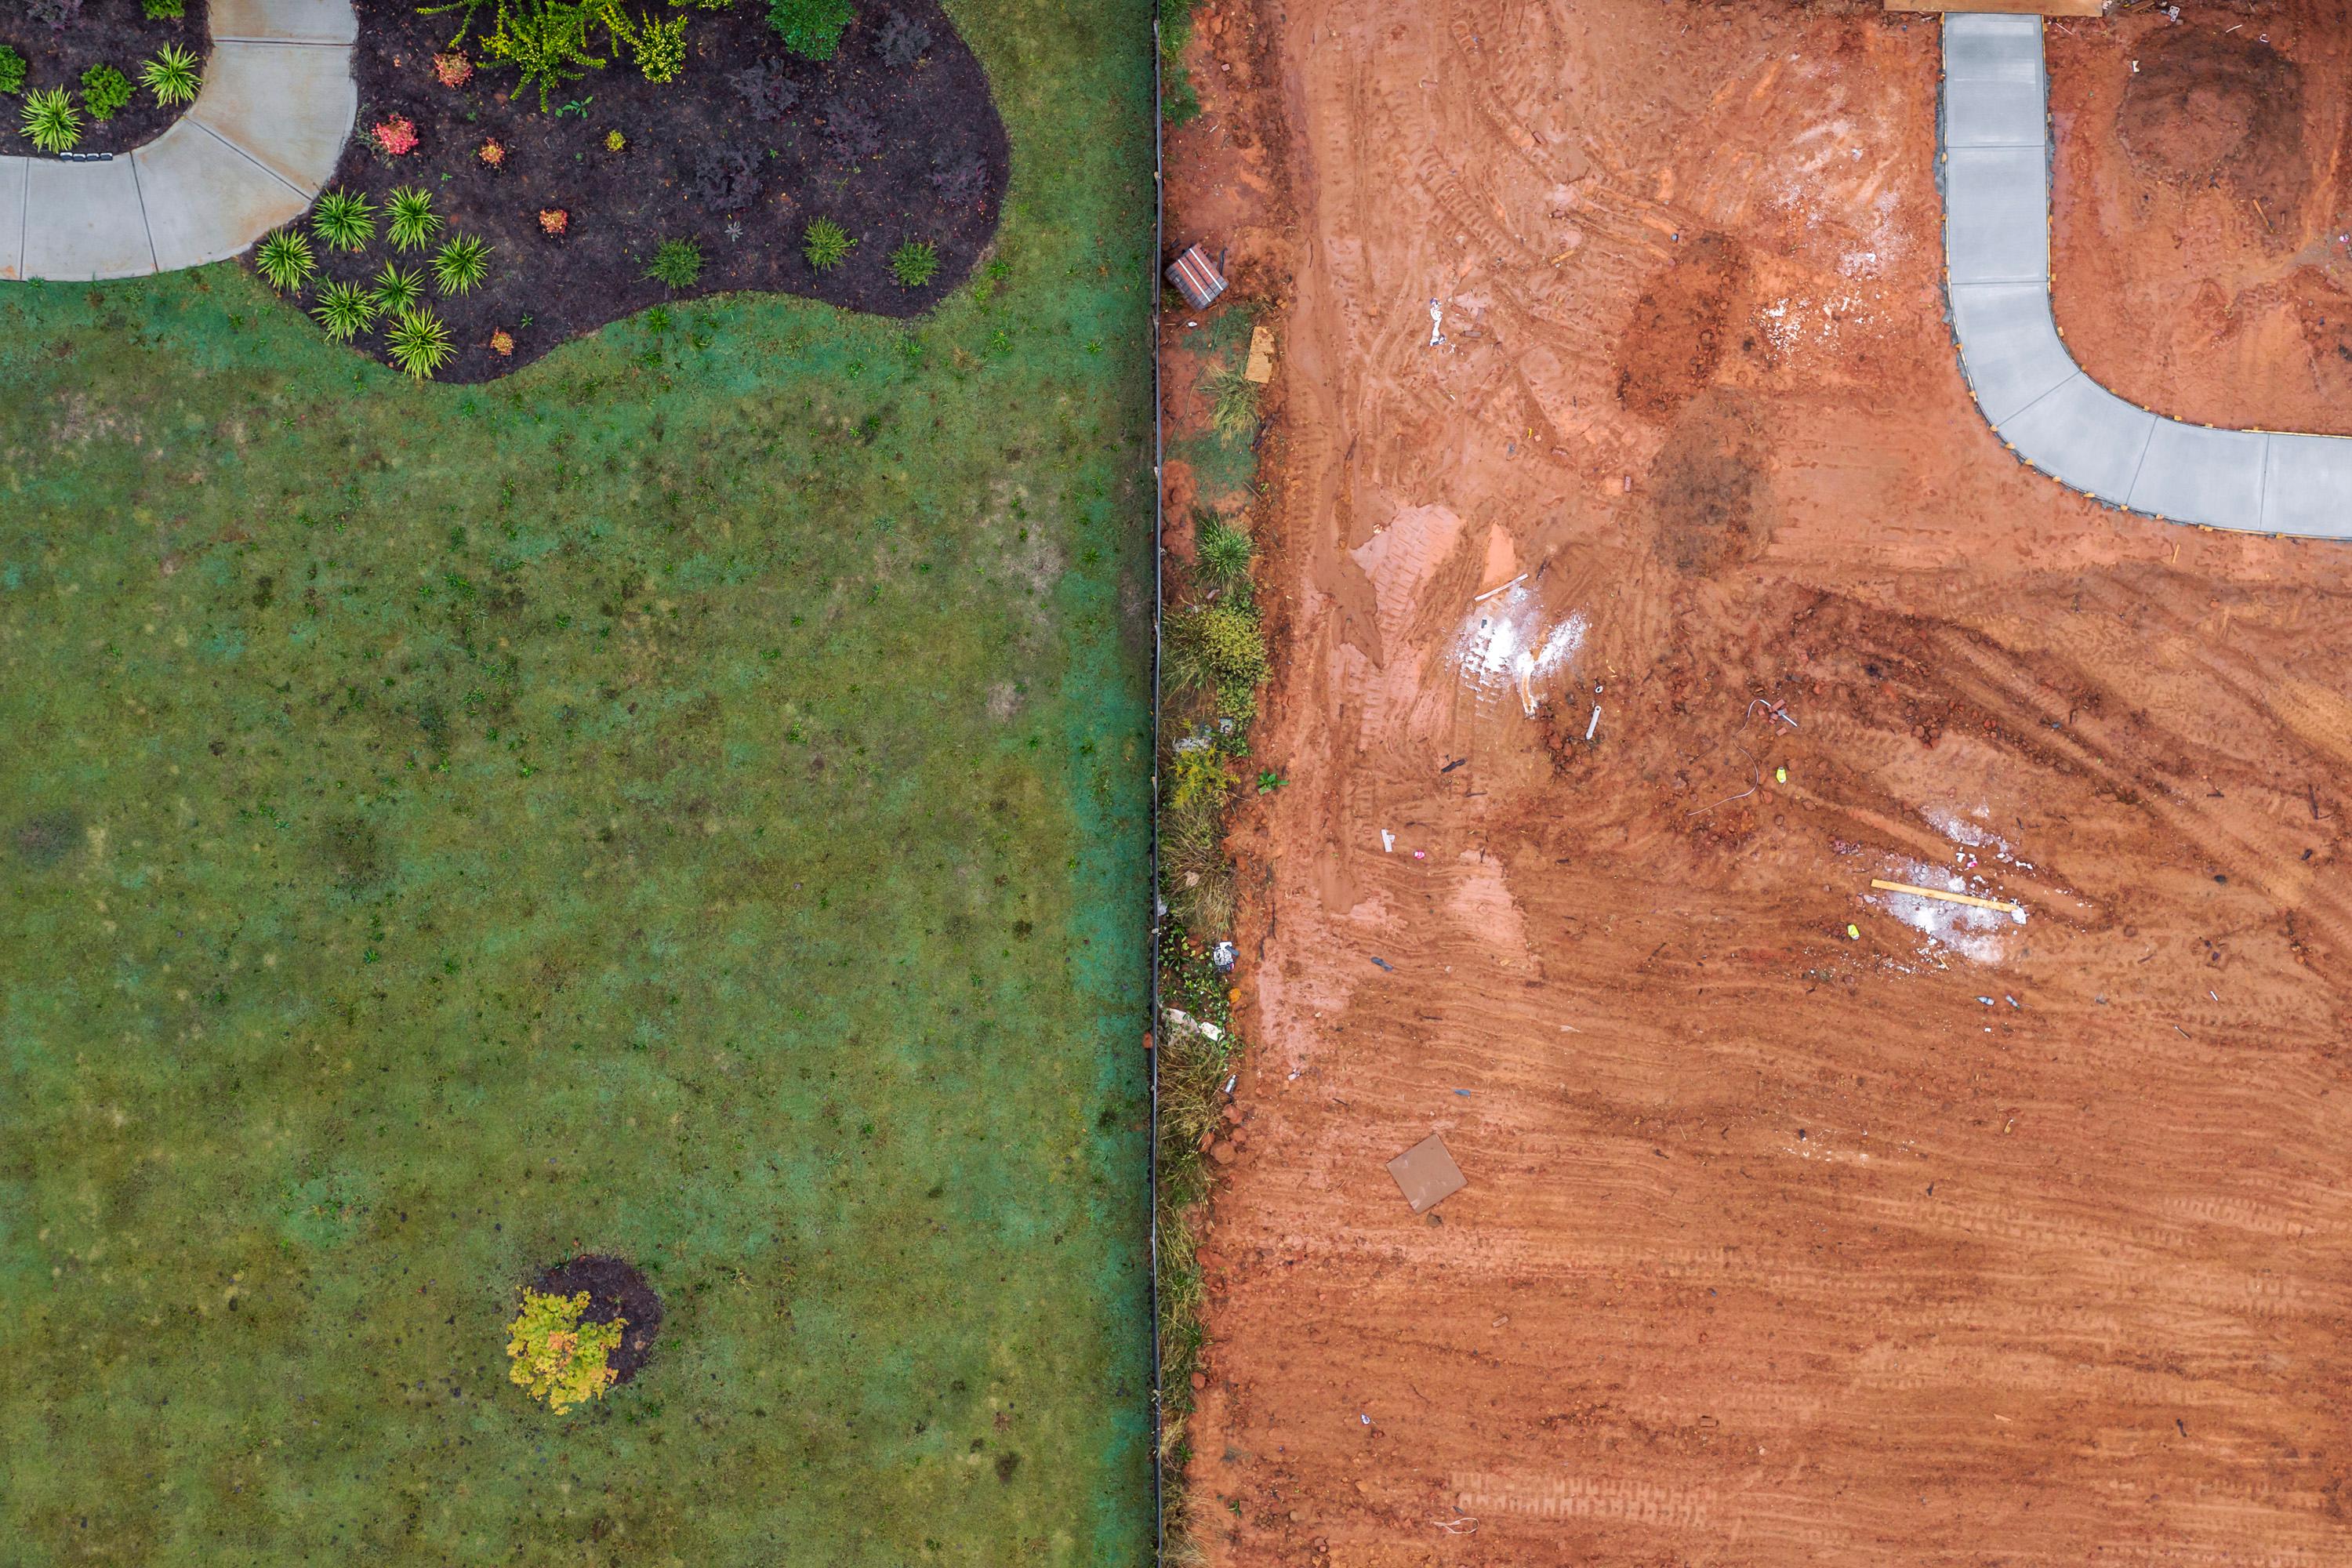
x,y
1994,150
252,153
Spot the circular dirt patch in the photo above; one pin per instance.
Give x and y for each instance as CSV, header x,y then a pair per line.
x,y
2207,105
1677,336
615,1290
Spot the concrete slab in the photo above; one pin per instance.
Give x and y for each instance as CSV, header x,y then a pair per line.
x,y
2191,474
2308,486
12,217
2009,345
84,221
1992,48
2084,436
205,200
1996,114
289,106
1997,214
286,21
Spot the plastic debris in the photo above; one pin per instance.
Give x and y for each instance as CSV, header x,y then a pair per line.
x,y
1388,842
1384,963
1223,956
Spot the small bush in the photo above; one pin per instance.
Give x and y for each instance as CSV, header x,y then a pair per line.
x,y
959,182
54,15
164,10
345,311
106,90
396,290
344,220
1218,648
461,264
546,41
854,131
1222,552
51,120
825,243
724,179
11,70
394,138
616,142
1233,401
901,40
453,68
502,343
676,264
492,152
659,49
285,260
554,222
419,344
172,76
410,218
767,90
811,29
915,263
557,1357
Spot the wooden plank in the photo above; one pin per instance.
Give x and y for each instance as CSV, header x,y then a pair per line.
x,y
1968,899
2007,7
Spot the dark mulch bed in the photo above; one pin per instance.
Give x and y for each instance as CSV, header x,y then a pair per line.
x,y
889,152
615,1290
115,32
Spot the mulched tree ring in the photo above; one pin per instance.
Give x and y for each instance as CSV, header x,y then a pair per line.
x,y
895,138
615,1290
117,32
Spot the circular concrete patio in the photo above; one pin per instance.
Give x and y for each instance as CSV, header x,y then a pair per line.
x,y
252,153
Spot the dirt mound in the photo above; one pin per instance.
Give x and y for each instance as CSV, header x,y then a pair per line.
x,y
1676,339
1708,495
2207,104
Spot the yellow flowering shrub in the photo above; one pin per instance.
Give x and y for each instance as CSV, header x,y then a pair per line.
x,y
556,1356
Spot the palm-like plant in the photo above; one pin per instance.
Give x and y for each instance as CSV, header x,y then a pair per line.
x,y
677,263
825,243
460,264
396,292
285,260
51,121
915,262
419,342
345,311
172,76
344,220
411,218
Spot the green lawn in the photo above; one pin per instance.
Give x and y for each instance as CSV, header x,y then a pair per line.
x,y
689,800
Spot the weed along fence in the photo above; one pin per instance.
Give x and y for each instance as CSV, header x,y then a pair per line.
x,y
1156,914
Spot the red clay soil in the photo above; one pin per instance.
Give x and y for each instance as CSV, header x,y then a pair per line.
x,y
117,32
2203,210
1953,1240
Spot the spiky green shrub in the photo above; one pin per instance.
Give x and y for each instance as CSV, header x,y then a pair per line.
x,y
164,10
461,264
419,342
1223,551
396,290
826,243
546,40
11,70
1218,648
677,263
172,76
556,1356
915,263
811,29
285,260
345,311
1233,401
344,219
410,219
51,121
106,90
659,48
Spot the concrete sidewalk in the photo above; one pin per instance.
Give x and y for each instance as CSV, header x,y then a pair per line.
x,y
1995,180
252,153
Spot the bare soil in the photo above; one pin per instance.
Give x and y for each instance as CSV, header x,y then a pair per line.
x,y
117,32
891,152
1807,1224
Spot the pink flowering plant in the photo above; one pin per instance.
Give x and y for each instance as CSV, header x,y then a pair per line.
x,y
396,137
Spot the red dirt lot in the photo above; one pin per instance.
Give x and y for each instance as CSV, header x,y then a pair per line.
x,y
1955,1240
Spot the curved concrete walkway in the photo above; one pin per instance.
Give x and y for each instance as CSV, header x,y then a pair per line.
x,y
252,153
1995,180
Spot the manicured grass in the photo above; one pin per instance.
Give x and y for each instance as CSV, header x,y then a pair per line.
x,y
685,800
